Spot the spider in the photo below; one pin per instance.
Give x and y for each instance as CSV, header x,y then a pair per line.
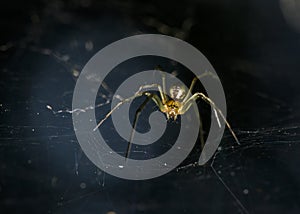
x,y
178,104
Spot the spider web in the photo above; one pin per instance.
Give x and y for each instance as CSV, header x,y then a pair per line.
x,y
42,164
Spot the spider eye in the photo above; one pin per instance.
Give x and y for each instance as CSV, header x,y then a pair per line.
x,y
177,92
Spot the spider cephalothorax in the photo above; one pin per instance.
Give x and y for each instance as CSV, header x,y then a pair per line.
x,y
179,103
172,109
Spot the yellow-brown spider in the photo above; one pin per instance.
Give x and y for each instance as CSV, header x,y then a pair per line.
x,y
178,104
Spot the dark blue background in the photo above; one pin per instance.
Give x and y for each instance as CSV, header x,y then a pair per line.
x,y
251,46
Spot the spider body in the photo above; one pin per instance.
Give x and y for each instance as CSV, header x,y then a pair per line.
x,y
177,92
178,104
172,109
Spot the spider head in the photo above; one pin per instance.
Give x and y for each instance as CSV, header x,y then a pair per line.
x,y
172,109
177,92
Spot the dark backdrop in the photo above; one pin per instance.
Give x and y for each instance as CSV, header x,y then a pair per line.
x,y
252,45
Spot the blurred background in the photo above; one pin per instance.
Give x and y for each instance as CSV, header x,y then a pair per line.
x,y
253,45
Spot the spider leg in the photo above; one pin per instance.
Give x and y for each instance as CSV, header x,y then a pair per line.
x,y
160,89
185,108
197,95
157,101
190,89
163,77
201,126
206,73
137,94
115,108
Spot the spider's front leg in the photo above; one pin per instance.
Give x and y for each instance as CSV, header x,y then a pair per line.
x,y
137,94
187,104
150,96
157,101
